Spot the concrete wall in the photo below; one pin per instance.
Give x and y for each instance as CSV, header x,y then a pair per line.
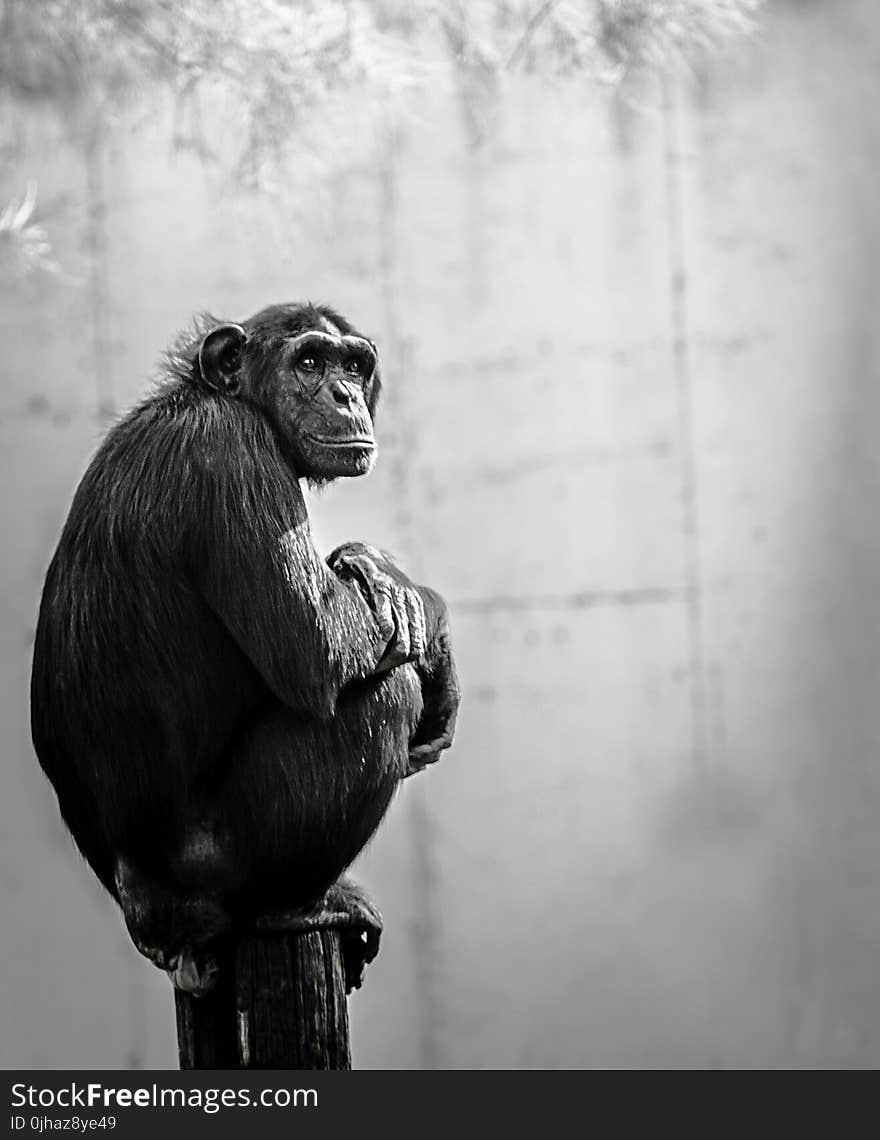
x,y
633,363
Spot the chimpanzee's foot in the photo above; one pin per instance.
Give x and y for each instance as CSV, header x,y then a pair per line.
x,y
174,931
346,908
194,972
351,911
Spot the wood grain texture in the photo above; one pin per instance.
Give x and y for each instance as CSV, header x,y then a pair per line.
x,y
280,1004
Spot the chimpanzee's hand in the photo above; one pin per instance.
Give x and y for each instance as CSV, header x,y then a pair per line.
x,y
394,600
415,620
440,694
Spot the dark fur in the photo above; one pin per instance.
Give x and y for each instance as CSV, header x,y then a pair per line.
x,y
197,664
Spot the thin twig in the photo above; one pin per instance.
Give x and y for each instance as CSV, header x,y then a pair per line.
x,y
531,27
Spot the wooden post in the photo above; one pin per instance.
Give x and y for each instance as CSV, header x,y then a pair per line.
x,y
279,1004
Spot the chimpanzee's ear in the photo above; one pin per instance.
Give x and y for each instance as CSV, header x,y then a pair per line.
x,y
220,357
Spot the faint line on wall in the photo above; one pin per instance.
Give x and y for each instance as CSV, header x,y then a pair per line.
x,y
425,928
577,600
98,273
681,361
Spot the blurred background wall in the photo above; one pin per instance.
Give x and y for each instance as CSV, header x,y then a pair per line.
x,y
632,351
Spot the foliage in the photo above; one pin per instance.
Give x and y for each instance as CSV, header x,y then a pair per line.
x,y
24,244
613,37
277,58
254,79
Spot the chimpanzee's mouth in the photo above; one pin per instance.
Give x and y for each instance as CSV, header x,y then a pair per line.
x,y
359,441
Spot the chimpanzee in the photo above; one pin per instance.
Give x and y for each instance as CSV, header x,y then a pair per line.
x,y
223,715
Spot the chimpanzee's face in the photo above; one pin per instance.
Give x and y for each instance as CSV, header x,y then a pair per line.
x,y
317,383
320,402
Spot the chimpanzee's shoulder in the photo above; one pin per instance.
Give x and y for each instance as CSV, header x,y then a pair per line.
x,y
178,417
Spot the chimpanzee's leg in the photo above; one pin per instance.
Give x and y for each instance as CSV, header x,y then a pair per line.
x,y
173,926
274,826
298,798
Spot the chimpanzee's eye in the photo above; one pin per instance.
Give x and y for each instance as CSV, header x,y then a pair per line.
x,y
308,363
354,366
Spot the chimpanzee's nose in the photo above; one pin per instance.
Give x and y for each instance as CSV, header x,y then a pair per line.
x,y
341,393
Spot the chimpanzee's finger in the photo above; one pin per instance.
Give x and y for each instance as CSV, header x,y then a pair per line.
x,y
361,566
357,570
421,757
401,620
383,608
417,627
438,744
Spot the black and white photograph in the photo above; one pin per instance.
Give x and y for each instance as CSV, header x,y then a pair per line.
x,y
441,590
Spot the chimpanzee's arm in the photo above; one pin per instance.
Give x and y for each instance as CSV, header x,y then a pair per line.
x,y
251,556
441,694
